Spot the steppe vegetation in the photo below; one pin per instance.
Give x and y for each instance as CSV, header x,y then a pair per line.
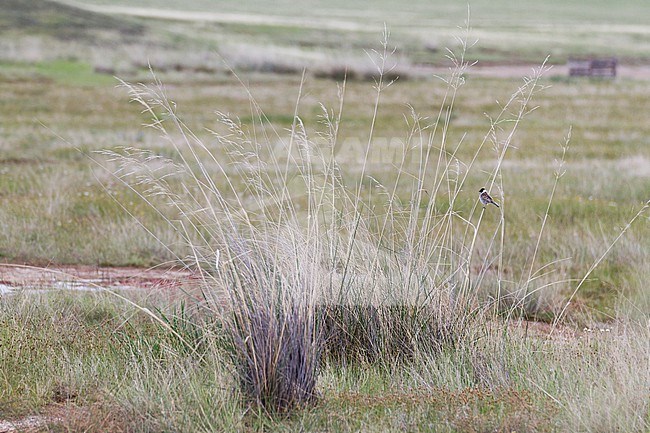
x,y
347,278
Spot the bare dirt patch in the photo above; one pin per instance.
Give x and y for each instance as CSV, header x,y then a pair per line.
x,y
27,424
92,278
68,416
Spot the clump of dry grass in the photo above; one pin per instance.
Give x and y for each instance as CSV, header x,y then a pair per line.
x,y
303,256
293,255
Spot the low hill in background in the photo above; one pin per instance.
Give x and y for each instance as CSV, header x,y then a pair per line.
x,y
124,37
63,22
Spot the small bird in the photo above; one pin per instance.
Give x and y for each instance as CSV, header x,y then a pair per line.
x,y
485,198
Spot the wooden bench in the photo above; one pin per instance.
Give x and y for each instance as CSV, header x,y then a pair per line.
x,y
592,67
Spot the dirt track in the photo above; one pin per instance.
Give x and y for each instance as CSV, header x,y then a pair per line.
x,y
89,278
639,72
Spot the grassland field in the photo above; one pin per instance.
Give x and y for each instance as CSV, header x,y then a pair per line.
x,y
94,362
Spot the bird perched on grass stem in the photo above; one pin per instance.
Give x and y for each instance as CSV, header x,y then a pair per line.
x,y
485,198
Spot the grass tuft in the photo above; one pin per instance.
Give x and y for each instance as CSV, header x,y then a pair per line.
x,y
304,257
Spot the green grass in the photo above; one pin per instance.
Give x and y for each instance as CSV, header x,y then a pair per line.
x,y
129,366
67,72
72,73
181,364
609,136
92,352
90,356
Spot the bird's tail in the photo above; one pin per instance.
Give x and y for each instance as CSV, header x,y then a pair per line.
x,y
495,204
